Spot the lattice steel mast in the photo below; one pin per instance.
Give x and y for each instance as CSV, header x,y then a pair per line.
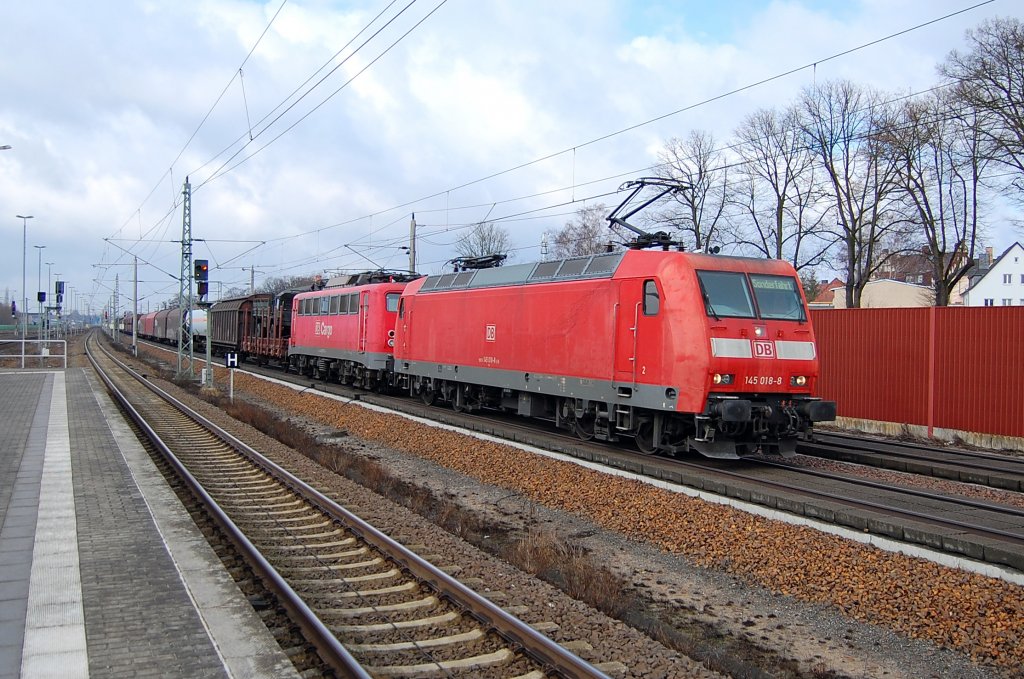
x,y
185,287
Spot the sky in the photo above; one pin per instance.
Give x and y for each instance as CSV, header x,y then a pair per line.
x,y
312,130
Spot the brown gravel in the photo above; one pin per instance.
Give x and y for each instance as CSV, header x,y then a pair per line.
x,y
980,616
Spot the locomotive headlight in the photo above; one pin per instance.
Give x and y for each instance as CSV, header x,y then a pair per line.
x,y
722,378
797,381
758,331
391,342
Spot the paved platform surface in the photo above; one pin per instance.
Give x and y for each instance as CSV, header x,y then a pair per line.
x,y
102,572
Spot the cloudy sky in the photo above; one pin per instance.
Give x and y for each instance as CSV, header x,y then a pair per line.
x,y
311,130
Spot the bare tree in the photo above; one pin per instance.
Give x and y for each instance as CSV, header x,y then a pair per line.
x,y
485,238
991,79
778,191
697,212
840,122
935,146
587,233
278,284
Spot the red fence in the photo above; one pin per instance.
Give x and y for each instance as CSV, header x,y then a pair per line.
x,y
949,367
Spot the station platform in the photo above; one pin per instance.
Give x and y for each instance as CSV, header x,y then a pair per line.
x,y
102,572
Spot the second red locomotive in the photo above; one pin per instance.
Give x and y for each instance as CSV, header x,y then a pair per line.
x,y
346,331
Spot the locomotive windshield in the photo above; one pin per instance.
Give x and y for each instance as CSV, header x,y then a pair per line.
x,y
728,294
777,297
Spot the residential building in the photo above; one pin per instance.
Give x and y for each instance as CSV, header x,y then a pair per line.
x,y
827,292
999,284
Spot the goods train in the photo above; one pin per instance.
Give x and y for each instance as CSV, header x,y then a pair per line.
x,y
678,351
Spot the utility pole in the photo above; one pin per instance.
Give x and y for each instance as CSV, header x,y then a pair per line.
x,y
46,327
40,294
185,286
135,310
116,303
412,244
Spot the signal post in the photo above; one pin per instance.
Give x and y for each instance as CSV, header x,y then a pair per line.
x,y
202,276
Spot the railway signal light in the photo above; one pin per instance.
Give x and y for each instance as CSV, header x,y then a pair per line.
x,y
202,269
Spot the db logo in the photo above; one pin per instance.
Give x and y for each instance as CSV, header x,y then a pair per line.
x,y
764,349
491,333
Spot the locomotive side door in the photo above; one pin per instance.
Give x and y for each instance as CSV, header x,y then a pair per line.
x,y
364,315
627,311
638,332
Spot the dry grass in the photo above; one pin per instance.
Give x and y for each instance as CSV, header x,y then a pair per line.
x,y
569,567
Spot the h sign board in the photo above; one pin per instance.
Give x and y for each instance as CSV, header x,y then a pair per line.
x,y
231,360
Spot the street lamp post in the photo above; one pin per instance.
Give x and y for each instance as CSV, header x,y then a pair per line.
x,y
39,284
24,293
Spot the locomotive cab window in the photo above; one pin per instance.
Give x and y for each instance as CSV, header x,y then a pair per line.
x,y
391,301
353,303
726,294
778,297
652,302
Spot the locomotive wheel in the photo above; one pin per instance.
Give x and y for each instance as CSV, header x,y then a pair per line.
x,y
428,396
645,438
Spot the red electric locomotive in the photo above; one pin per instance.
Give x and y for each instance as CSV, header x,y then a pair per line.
x,y
680,351
346,331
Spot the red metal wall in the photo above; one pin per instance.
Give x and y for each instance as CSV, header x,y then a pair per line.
x,y
948,367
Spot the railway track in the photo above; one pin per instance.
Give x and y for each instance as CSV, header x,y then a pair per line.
x,y
1001,526
368,605
968,466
